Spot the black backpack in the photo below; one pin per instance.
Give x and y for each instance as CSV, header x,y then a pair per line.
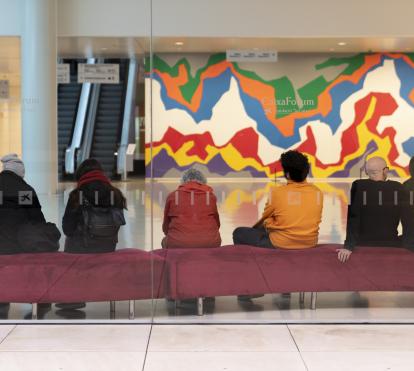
x,y
101,222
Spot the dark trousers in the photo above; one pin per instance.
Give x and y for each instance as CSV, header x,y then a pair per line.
x,y
252,236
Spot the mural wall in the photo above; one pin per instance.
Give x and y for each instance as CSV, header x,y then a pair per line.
x,y
236,119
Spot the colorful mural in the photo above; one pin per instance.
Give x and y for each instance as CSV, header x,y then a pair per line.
x,y
230,120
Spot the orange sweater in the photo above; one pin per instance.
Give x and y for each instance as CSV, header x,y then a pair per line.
x,y
292,215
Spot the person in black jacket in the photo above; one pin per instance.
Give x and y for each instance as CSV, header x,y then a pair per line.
x,y
408,210
19,204
93,190
95,193
375,210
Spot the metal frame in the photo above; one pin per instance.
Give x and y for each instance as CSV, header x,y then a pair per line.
x,y
200,306
314,296
132,309
34,311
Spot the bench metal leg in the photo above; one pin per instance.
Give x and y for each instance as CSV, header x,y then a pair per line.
x,y
301,298
200,309
132,309
112,309
313,300
34,310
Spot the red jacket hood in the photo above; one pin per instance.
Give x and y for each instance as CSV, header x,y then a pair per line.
x,y
195,187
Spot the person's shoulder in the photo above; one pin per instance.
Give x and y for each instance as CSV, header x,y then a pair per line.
x,y
394,184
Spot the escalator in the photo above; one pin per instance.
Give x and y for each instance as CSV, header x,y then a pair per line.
x,y
68,99
108,122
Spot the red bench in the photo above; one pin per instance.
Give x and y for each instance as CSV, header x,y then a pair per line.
x,y
243,270
133,274
128,274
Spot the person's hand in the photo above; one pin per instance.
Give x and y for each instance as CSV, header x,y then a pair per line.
x,y
343,255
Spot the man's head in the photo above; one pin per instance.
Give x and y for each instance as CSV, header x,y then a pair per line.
x,y
12,163
295,165
193,175
376,168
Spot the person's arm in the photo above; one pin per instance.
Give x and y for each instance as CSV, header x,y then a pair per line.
x,y
407,218
352,225
34,211
267,212
216,213
354,218
72,215
167,219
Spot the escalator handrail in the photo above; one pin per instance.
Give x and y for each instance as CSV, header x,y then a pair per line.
x,y
75,143
127,117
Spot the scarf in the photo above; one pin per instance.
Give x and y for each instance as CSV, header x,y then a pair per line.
x,y
93,176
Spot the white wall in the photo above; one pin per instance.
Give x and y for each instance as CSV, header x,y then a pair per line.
x,y
238,18
224,18
11,17
103,17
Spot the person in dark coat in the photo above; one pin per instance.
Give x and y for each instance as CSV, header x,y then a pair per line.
x,y
408,210
375,211
96,190
191,219
19,204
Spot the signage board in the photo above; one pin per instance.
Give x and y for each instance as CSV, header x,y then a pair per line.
x,y
63,73
100,73
251,56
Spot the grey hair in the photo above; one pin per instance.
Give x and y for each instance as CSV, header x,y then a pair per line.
x,y
193,175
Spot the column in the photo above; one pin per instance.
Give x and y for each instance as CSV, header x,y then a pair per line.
x,y
39,95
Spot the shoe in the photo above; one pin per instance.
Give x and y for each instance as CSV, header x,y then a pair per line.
x,y
249,297
44,305
71,314
70,306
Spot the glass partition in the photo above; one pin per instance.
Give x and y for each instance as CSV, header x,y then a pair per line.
x,y
226,109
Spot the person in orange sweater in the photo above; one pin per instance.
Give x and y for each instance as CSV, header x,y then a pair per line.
x,y
292,214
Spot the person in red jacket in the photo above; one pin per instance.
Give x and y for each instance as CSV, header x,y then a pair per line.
x,y
191,219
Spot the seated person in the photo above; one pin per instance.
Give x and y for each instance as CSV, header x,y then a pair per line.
x,y
292,214
19,207
93,216
408,209
191,219
92,201
19,204
375,210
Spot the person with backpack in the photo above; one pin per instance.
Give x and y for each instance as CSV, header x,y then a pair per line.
x,y
93,215
94,212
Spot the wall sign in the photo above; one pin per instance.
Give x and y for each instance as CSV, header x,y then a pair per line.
x,y
251,56
63,73
4,89
98,73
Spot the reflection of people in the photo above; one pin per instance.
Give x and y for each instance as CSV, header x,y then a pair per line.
x,y
191,219
94,212
375,210
293,213
19,204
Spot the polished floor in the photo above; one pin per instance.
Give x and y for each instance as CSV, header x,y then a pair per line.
x,y
206,348
239,203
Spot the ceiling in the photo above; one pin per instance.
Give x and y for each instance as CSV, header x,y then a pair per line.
x,y
125,47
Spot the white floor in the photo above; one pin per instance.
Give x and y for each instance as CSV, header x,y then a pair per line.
x,y
206,348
